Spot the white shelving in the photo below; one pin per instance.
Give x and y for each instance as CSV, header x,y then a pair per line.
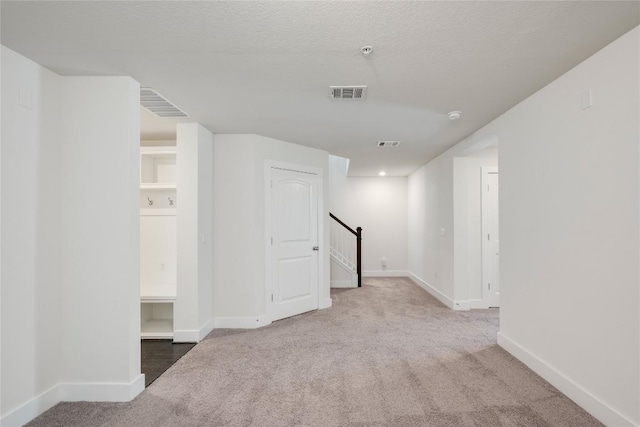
x,y
158,241
158,165
156,320
157,186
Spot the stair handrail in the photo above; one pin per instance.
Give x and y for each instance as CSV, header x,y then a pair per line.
x,y
358,233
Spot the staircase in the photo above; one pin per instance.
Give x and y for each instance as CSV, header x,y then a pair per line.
x,y
345,252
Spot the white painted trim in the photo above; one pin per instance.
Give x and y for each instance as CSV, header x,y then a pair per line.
x,y
102,392
454,305
478,304
590,403
487,297
186,335
385,273
241,322
67,392
325,303
342,284
461,305
31,409
206,329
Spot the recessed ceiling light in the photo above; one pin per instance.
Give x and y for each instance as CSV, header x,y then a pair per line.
x,y
382,173
454,115
366,50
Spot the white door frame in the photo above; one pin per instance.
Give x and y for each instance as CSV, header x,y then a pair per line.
x,y
486,171
268,279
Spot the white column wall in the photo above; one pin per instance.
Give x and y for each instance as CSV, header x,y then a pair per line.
x,y
205,231
30,296
193,309
99,218
70,303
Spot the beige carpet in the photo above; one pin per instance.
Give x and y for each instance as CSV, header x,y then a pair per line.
x,y
387,354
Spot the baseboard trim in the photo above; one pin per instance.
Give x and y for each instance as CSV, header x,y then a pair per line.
x,y
325,303
478,304
31,409
186,335
241,322
206,329
461,305
102,392
341,284
590,403
385,273
433,291
73,392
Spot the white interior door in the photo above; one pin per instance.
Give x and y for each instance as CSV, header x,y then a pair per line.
x,y
490,238
294,228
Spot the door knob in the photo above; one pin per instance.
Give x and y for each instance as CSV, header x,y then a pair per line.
x,y
316,248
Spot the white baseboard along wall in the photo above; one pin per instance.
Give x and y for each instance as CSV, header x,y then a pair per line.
x,y
590,403
73,392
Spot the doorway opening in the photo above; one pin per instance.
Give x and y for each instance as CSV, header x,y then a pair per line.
x,y
158,244
476,227
490,237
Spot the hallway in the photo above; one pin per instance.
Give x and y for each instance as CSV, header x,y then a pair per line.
x,y
387,354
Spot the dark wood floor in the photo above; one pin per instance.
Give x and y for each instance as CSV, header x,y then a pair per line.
x,y
158,356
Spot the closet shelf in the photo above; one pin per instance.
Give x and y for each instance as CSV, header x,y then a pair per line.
x,y
157,186
157,293
157,298
158,211
159,150
157,328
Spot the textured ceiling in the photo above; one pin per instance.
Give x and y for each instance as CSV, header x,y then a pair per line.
x,y
265,67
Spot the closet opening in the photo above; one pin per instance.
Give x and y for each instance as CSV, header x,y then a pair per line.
x,y
159,198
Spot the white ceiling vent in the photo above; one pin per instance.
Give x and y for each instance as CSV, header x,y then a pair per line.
x,y
388,143
348,92
158,105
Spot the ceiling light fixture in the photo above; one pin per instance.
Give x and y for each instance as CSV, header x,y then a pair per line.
x,y
366,50
382,173
454,115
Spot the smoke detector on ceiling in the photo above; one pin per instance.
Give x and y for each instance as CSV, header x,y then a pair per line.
x,y
454,115
386,144
366,50
348,92
158,104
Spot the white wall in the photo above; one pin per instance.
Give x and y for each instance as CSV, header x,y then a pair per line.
x,y
430,242
569,229
30,232
194,304
467,228
379,206
70,303
239,224
99,223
